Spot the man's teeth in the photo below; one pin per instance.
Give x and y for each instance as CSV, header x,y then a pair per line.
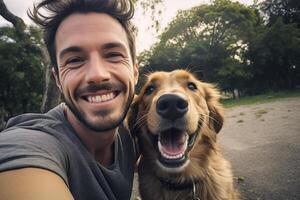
x,y
101,98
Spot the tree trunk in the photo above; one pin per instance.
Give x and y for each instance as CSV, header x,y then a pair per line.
x,y
51,92
51,95
19,25
17,22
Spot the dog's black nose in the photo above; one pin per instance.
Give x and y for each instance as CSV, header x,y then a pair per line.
x,y
171,106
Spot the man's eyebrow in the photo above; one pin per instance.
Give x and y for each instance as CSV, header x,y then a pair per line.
x,y
106,46
69,49
112,45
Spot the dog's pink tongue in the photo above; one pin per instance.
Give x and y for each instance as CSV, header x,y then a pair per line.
x,y
173,143
173,149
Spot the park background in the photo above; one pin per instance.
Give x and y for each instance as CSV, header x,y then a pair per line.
x,y
249,49
244,47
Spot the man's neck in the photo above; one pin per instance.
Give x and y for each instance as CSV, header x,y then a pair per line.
x,y
99,144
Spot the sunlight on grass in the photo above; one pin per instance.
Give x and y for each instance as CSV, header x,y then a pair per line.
x,y
267,97
259,113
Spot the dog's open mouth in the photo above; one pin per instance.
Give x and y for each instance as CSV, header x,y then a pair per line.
x,y
173,145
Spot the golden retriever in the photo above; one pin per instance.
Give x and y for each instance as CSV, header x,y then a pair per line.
x,y
175,119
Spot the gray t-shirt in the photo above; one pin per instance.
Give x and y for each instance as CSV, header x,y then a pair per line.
x,y
48,141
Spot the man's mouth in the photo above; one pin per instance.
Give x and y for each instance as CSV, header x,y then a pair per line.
x,y
99,98
173,145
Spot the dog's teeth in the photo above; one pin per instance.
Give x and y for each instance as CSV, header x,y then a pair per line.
x,y
160,148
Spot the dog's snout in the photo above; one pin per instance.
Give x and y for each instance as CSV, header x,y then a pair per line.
x,y
171,106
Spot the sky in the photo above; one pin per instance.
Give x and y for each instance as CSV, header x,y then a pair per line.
x,y
146,37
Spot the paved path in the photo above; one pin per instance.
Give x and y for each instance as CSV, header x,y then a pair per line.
x,y
263,143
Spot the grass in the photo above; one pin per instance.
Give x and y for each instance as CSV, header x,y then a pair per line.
x,y
263,98
259,113
239,178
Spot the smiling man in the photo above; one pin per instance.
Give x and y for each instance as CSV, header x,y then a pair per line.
x,y
79,149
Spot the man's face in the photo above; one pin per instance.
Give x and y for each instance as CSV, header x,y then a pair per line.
x,y
95,69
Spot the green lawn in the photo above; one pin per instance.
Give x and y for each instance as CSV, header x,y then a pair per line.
x,y
267,97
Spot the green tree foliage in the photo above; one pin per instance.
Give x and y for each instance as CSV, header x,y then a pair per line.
x,y
287,10
233,75
21,72
206,39
274,50
275,57
249,48
152,7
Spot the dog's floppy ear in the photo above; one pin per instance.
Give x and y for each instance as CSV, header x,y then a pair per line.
x,y
132,115
131,120
216,111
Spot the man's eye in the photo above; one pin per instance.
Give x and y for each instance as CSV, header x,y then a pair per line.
x,y
74,62
114,56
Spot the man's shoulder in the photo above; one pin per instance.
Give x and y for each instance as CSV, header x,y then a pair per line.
x,y
31,142
34,120
24,139
33,132
21,135
38,125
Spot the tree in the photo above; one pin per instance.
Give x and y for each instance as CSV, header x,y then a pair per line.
x,y
273,51
22,64
51,93
206,39
233,77
151,7
288,10
275,57
17,22
21,72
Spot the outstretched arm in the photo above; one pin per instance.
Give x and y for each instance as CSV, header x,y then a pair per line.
x,y
33,184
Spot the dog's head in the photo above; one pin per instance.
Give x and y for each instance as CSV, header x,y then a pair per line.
x,y
172,113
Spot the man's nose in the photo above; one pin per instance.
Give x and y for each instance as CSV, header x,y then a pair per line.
x,y
97,71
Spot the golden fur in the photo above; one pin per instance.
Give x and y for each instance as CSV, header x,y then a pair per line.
x,y
206,166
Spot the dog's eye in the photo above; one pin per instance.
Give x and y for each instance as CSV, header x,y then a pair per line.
x,y
192,86
149,89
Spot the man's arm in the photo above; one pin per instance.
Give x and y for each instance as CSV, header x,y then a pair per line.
x,y
33,184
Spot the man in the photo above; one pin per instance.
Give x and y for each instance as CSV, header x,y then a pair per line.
x,y
78,150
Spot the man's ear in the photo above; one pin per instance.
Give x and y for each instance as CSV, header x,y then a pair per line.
x,y
216,111
56,77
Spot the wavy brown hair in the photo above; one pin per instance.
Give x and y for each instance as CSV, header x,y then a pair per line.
x,y
58,10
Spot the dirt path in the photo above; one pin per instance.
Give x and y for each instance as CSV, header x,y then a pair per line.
x,y
263,144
